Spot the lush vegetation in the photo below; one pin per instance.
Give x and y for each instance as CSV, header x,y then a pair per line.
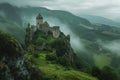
x,y
59,46
53,71
89,34
8,45
57,63
106,73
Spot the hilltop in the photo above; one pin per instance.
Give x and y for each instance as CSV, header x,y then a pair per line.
x,y
50,50
43,37
47,56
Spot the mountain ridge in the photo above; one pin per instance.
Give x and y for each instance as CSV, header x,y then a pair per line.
x,y
101,20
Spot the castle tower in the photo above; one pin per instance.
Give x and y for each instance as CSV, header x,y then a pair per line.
x,y
39,20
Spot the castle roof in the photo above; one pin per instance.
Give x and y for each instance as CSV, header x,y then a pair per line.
x,y
39,16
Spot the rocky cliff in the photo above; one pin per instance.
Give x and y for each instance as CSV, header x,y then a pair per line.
x,y
37,38
59,46
13,65
53,55
45,57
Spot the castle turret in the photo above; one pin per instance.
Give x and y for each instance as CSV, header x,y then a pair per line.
x,y
39,20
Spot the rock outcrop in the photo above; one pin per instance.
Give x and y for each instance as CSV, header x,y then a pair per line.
x,y
46,38
13,65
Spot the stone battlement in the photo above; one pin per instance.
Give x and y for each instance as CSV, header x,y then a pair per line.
x,y
42,26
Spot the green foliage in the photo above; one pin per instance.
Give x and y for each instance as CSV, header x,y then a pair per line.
x,y
8,44
40,41
36,74
40,37
109,74
115,61
64,60
60,45
96,72
52,71
82,66
51,57
102,60
106,73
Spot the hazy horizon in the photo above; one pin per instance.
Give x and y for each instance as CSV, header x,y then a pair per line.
x,y
104,8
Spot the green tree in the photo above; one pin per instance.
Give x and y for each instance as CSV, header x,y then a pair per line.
x,y
63,60
8,44
96,72
109,74
51,57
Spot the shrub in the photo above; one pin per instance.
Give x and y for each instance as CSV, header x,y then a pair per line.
x,y
96,72
109,74
40,41
106,73
51,57
8,44
63,60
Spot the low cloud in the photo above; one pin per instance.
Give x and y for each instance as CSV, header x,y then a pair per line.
x,y
106,8
76,43
113,46
2,14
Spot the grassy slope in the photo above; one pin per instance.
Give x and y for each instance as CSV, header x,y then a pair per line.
x,y
53,71
102,60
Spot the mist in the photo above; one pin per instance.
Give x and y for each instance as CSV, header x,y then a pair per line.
x,y
28,19
105,8
2,14
112,46
75,41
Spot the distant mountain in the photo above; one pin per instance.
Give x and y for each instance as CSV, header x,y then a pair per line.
x,y
101,20
80,29
11,13
117,20
62,16
12,28
75,25
78,26
17,63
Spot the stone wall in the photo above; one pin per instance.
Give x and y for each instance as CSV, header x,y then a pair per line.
x,y
45,27
56,31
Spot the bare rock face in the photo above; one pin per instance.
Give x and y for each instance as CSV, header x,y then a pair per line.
x,y
13,65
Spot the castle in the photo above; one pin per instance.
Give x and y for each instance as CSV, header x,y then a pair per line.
x,y
42,26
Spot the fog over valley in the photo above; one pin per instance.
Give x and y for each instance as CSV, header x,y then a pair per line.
x,y
59,40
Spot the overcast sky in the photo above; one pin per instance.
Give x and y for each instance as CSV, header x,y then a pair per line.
x,y
106,8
